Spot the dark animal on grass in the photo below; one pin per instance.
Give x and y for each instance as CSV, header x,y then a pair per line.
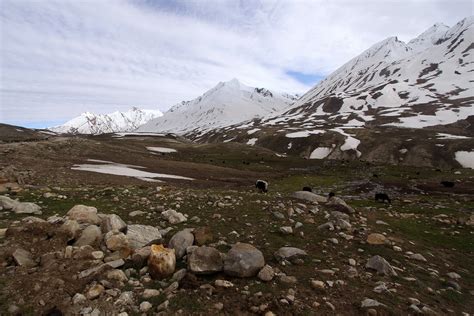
x,y
308,189
382,197
447,184
331,194
262,186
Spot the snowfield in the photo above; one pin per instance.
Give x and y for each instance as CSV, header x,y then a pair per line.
x,y
320,153
109,167
163,150
465,158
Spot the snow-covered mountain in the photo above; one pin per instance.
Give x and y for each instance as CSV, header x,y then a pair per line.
x,y
405,92
226,104
425,82
90,123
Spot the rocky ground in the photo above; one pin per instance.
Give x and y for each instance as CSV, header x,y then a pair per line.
x,y
75,242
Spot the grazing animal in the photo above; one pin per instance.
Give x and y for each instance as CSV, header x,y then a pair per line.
x,y
262,186
331,194
382,197
447,184
307,189
161,262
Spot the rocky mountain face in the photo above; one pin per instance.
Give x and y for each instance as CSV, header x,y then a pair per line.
x,y
226,104
90,123
417,94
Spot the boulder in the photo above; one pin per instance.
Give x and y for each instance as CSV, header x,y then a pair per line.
x,y
161,262
7,203
113,222
27,208
142,235
91,235
203,235
380,265
173,217
84,214
309,196
338,204
205,260
23,258
289,253
115,240
243,260
180,241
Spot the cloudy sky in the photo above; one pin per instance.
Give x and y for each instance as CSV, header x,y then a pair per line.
x,y
61,58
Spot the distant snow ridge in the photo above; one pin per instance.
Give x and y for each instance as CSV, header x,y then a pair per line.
x,y
227,103
425,82
90,123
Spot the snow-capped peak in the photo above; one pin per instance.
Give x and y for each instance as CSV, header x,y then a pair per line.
x,y
90,123
428,38
225,104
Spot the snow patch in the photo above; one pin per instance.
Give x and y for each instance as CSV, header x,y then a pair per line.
x,y
450,136
465,158
320,153
118,169
252,141
302,134
250,132
163,150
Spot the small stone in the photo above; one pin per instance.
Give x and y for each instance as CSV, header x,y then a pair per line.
x,y
78,298
219,306
376,239
370,303
23,258
319,285
149,293
95,291
380,265
418,257
352,262
161,262
163,306
145,306
287,230
331,306
223,283
98,255
266,274
453,275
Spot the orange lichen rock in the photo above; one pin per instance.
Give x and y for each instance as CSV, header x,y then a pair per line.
x,y
161,262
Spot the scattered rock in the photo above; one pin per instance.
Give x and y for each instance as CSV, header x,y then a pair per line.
x,y
145,306
243,260
141,235
203,235
289,253
91,235
162,262
418,257
173,217
180,241
287,230
113,222
376,239
309,196
380,265
23,258
95,291
266,274
339,205
27,208
84,214
367,303
205,260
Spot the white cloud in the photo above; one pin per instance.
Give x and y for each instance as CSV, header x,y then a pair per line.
x,y
60,58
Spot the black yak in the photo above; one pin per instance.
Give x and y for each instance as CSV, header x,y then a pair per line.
x,y
382,197
262,186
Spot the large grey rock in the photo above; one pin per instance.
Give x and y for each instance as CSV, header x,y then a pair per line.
x,y
243,260
7,203
338,204
141,235
380,265
23,258
113,222
289,253
91,235
27,208
309,196
205,260
84,214
180,241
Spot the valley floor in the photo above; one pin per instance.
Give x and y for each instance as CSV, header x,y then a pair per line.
x,y
427,232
